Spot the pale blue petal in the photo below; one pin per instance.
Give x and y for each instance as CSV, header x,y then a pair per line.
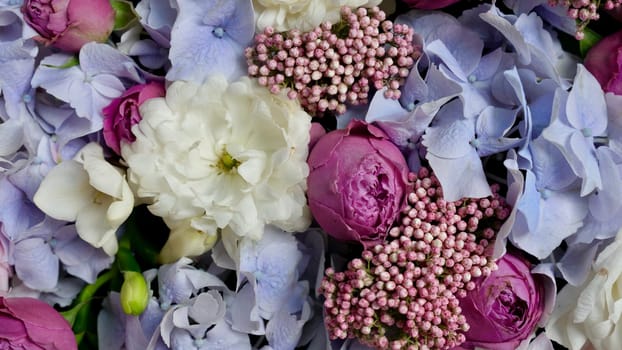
x,y
516,184
242,312
607,203
198,51
35,264
450,134
586,108
460,177
158,17
551,169
283,331
98,58
491,127
577,261
502,23
560,215
79,258
222,337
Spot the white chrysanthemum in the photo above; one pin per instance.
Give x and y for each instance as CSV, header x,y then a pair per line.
x,y
304,15
222,155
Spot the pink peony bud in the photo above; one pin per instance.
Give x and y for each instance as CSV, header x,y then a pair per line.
x,y
69,24
122,113
28,323
357,184
504,308
429,4
604,61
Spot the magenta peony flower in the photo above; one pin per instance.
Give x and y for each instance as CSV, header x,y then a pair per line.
x,y
429,4
505,307
28,323
604,61
122,113
69,24
357,184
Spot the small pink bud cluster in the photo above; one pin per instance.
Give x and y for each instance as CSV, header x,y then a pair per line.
x,y
584,11
335,64
403,294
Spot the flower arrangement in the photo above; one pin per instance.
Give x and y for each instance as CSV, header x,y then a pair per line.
x,y
310,174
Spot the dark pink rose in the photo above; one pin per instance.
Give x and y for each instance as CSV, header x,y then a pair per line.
x,y
69,24
505,307
429,4
27,323
604,61
357,184
122,113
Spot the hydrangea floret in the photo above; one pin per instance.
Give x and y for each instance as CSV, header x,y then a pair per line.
x,y
403,293
335,65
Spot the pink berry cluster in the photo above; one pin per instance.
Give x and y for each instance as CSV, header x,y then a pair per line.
x,y
584,11
335,64
404,293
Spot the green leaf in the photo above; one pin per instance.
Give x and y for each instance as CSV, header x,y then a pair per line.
x,y
125,15
72,61
590,39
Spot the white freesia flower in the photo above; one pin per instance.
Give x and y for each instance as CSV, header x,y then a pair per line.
x,y
91,192
304,15
222,155
590,315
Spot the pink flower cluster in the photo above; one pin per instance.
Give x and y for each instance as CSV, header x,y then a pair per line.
x,y
585,11
403,294
335,64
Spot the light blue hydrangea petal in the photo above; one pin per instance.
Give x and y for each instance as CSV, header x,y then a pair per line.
x,y
491,127
560,215
35,264
450,134
460,177
551,169
209,38
222,337
606,203
17,64
516,184
158,17
577,261
586,109
242,312
283,331
79,258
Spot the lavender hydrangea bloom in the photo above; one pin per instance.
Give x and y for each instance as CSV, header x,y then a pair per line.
x,y
209,36
158,18
91,85
582,116
450,152
550,208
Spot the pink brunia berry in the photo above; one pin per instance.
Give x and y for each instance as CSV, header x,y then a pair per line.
x,y
404,292
584,11
335,65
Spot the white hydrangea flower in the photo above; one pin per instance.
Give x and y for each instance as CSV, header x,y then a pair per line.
x,y
91,192
222,155
283,15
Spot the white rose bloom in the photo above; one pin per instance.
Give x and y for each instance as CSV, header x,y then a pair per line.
x,y
304,15
222,155
91,192
590,315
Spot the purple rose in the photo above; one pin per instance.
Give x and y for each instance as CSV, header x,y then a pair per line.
x,y
604,61
357,184
122,113
429,4
27,323
505,307
69,24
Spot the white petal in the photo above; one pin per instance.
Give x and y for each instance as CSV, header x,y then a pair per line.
x,y
64,191
93,227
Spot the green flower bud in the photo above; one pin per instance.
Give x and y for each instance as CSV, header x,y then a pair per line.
x,y
134,293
